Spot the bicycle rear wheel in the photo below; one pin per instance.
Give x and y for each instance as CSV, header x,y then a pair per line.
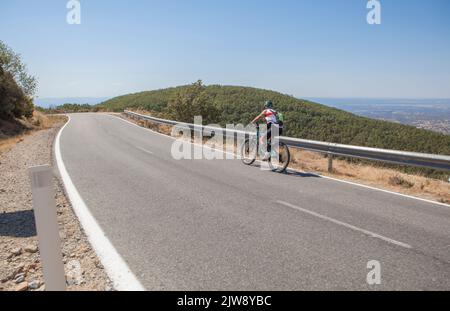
x,y
249,151
280,158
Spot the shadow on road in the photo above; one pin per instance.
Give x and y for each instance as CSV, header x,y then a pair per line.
x,y
18,224
289,172
300,174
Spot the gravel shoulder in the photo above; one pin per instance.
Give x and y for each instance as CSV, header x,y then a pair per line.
x,y
20,266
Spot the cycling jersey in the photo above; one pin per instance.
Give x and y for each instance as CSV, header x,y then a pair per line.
x,y
271,116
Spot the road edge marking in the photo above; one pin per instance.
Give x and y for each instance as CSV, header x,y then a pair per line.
x,y
346,225
144,150
116,268
378,189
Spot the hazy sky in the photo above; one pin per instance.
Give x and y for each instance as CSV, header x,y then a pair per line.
x,y
310,48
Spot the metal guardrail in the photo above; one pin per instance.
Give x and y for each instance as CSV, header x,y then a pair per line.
x,y
439,162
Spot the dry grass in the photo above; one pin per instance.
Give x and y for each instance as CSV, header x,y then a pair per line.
x,y
384,178
400,181
14,131
161,128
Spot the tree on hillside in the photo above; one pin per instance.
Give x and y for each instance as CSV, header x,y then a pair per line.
x,y
11,63
13,102
17,87
193,101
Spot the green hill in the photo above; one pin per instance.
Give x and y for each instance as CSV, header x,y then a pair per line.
x,y
304,119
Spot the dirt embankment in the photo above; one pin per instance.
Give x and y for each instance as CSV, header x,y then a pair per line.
x,y
15,130
20,265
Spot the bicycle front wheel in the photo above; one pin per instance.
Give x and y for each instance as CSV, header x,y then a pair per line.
x,y
249,151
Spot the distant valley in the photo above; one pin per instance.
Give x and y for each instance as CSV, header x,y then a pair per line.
x,y
430,114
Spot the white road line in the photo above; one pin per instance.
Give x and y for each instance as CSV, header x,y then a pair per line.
x,y
385,191
338,222
144,150
116,268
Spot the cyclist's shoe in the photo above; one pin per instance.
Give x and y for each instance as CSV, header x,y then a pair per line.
x,y
266,156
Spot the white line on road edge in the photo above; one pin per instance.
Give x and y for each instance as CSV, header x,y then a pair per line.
x,y
338,222
144,150
116,268
384,190
315,174
44,207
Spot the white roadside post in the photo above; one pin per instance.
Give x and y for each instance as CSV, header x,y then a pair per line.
x,y
44,207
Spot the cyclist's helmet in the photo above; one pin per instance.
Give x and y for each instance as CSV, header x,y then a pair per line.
x,y
268,104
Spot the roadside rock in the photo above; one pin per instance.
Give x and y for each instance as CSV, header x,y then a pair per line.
x,y
16,252
5,279
21,287
31,248
19,268
35,284
19,278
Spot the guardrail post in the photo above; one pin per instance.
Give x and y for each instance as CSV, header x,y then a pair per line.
x,y
330,163
44,207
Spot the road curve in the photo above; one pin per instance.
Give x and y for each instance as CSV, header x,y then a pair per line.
x,y
220,225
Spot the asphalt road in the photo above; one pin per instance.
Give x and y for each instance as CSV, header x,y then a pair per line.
x,y
220,225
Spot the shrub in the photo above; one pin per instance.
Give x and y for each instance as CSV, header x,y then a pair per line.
x,y
193,101
13,102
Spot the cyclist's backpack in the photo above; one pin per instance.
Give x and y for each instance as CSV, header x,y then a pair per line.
x,y
280,118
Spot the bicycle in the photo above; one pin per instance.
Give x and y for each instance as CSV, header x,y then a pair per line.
x,y
279,158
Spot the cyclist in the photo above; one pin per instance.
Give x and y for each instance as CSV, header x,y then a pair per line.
x,y
270,115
